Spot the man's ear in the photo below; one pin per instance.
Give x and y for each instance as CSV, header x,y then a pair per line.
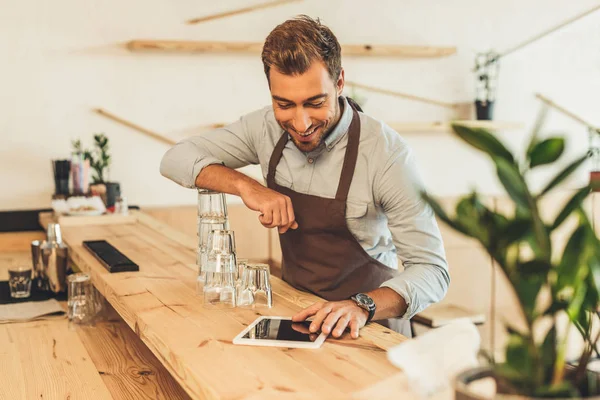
x,y
340,83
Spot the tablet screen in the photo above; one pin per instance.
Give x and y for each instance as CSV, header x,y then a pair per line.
x,y
281,329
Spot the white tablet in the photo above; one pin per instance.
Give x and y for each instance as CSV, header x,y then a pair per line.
x,y
280,332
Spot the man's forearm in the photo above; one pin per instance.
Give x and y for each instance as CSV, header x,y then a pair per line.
x,y
222,179
389,303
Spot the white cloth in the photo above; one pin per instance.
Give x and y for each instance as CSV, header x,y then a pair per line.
x,y
432,360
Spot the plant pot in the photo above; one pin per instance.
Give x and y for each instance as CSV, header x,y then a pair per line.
x,y
99,189
484,110
462,390
113,191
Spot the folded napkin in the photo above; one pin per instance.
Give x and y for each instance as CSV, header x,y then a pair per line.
x,y
29,311
432,360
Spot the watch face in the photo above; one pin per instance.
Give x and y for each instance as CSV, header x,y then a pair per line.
x,y
364,299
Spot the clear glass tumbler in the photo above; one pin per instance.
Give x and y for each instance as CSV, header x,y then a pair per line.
x,y
19,282
212,206
220,270
255,287
82,302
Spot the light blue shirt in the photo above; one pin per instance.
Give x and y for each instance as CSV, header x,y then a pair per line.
x,y
384,212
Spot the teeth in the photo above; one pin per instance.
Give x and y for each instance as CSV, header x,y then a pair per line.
x,y
309,133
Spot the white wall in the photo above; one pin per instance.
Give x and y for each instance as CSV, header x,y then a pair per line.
x,y
60,59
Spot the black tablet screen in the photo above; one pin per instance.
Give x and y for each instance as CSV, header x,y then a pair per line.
x,y
281,329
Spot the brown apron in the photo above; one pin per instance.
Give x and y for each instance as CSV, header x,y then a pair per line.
x,y
322,256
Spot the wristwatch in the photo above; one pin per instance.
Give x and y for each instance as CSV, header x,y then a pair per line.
x,y
365,302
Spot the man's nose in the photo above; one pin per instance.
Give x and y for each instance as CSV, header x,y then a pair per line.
x,y
301,121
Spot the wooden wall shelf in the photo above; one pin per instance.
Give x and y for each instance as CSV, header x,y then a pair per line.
x,y
437,127
184,46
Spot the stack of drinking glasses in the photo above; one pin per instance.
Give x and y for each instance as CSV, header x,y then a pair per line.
x,y
212,214
223,280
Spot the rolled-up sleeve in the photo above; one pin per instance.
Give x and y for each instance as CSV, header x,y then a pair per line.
x,y
415,233
232,146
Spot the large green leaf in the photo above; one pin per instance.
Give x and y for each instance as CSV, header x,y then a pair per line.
x,y
573,204
474,217
520,357
513,181
537,127
483,140
439,211
563,390
570,267
546,152
562,175
548,353
527,286
515,185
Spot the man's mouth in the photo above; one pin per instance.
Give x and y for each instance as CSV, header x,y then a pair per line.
x,y
307,136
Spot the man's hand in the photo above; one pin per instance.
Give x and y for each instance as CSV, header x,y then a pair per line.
x,y
334,317
275,209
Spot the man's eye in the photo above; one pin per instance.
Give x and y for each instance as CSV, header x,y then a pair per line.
x,y
284,106
316,105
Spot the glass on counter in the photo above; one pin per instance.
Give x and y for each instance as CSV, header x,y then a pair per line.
x,y
220,270
19,281
254,289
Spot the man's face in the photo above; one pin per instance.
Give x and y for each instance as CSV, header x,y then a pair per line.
x,y
306,106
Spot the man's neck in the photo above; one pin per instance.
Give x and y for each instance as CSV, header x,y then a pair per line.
x,y
338,117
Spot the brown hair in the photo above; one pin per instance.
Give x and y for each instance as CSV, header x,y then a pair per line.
x,y
293,45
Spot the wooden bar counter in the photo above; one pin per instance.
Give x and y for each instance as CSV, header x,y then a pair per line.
x,y
194,343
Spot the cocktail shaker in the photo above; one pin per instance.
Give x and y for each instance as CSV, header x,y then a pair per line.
x,y
55,255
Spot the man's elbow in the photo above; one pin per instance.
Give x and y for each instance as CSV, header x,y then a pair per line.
x,y
172,166
444,282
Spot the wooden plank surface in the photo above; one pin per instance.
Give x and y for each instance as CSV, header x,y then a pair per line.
x,y
19,241
44,359
445,127
242,10
195,343
129,370
376,50
50,360
77,220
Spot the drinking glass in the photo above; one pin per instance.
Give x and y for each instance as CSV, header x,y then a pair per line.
x,y
82,302
19,282
220,270
255,287
212,206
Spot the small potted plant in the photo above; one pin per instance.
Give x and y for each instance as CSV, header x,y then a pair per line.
x,y
486,71
550,287
99,160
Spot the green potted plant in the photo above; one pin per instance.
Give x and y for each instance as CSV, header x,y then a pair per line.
x,y
548,286
99,160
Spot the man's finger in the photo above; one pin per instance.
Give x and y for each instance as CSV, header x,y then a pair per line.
x,y
285,222
340,327
307,312
315,326
276,217
300,328
331,320
291,215
354,328
266,218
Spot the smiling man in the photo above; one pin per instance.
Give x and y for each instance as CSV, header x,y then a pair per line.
x,y
343,192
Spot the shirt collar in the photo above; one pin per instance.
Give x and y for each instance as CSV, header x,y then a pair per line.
x,y
342,126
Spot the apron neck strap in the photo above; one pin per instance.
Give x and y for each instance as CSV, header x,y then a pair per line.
x,y
349,159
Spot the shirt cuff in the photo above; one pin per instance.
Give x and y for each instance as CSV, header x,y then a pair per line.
x,y
407,291
200,165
